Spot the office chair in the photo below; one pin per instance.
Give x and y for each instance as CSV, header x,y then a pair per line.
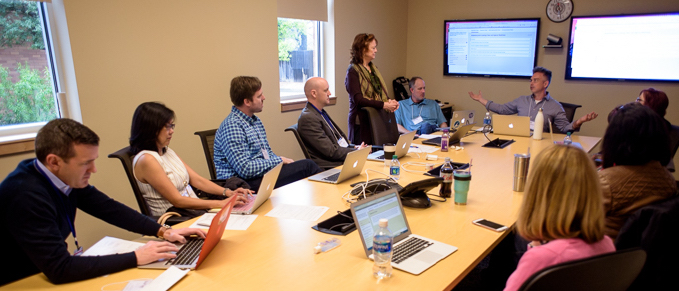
x,y
293,129
125,157
382,126
207,138
569,109
612,271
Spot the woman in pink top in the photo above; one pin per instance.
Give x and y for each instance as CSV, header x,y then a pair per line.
x,y
562,213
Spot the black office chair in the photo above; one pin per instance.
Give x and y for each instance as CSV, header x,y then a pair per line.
x,y
207,138
382,126
125,157
293,129
611,272
569,109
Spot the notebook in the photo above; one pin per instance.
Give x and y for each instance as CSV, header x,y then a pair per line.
x,y
353,165
461,118
454,138
195,250
402,147
265,189
412,253
511,125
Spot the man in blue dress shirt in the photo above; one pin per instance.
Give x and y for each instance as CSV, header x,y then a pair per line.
x,y
241,148
417,113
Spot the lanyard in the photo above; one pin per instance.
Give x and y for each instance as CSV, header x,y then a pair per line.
x,y
411,109
71,222
530,105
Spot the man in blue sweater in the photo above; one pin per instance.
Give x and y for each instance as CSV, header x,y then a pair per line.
x,y
38,202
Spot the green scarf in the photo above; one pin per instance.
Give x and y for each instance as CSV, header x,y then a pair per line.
x,y
373,91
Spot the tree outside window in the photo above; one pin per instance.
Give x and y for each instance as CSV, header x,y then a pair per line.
x,y
298,55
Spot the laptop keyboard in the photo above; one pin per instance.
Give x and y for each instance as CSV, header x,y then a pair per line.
x,y
188,253
247,205
409,248
332,178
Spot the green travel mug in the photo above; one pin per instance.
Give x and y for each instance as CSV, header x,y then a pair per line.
x,y
462,178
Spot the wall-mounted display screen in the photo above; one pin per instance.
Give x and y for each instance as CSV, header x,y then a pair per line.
x,y
490,47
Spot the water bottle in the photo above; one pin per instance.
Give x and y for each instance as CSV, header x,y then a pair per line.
x,y
447,175
486,120
444,140
395,168
568,140
382,251
539,125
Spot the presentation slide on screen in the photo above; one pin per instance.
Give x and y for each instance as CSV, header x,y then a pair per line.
x,y
640,47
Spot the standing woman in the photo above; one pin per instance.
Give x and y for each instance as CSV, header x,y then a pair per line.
x,y
562,213
365,86
163,178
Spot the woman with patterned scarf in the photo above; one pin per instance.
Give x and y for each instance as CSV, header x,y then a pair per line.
x,y
365,86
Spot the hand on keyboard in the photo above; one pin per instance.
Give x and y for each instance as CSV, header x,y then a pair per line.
x,y
155,250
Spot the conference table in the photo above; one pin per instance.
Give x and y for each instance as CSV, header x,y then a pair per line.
x,y
278,253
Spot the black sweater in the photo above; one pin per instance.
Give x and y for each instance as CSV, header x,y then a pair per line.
x,y
34,217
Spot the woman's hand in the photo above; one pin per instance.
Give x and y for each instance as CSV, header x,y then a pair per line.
x,y
390,105
241,196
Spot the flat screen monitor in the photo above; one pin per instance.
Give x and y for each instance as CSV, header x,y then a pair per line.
x,y
491,47
640,47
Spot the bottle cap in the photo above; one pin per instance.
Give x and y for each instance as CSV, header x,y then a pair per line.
x,y
395,157
447,159
384,222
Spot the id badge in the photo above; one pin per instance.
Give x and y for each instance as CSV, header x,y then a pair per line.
x,y
185,193
417,120
78,251
342,142
265,154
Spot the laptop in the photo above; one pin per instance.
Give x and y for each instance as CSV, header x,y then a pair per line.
x,y
265,190
353,165
412,253
461,118
195,250
454,138
511,125
402,147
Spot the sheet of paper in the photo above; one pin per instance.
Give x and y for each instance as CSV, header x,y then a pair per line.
x,y
168,278
299,212
429,136
421,148
136,285
236,221
111,245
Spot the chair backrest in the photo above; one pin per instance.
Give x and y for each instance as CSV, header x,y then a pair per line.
x,y
207,138
569,109
382,126
293,129
612,271
126,157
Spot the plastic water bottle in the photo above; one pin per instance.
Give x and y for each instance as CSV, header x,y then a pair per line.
x,y
447,175
395,168
487,120
444,140
382,250
568,140
539,125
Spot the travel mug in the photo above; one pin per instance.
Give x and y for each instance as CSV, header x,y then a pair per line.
x,y
520,171
462,179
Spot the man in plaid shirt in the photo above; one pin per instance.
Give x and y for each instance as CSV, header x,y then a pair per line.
x,y
241,148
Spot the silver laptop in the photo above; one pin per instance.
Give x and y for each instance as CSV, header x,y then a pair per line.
x,y
195,250
511,125
461,118
353,165
402,147
412,253
264,192
456,137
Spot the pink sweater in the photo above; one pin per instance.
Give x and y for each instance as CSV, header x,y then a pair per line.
x,y
555,252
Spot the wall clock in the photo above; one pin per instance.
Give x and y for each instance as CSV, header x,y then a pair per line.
x,y
559,10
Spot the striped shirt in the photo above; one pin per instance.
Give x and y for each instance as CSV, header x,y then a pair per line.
x,y
174,170
239,147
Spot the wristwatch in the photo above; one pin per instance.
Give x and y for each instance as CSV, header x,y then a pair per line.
x,y
162,230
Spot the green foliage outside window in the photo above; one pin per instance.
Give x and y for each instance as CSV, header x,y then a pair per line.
x,y
290,33
31,99
20,24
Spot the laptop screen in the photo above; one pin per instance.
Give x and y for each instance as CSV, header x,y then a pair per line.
x,y
368,216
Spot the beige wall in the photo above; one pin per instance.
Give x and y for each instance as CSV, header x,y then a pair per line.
x,y
425,57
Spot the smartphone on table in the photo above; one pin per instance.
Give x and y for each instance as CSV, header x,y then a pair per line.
x,y
489,225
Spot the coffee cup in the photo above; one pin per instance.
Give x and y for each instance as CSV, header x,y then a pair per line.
x,y
389,151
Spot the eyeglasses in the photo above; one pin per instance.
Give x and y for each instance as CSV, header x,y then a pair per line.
x,y
639,99
169,126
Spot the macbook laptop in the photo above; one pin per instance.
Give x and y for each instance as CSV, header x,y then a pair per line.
x,y
454,138
461,118
265,190
402,147
195,250
353,165
412,253
511,125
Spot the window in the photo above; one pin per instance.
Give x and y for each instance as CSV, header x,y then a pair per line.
x,y
299,55
28,79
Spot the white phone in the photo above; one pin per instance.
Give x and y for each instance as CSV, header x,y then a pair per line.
x,y
489,225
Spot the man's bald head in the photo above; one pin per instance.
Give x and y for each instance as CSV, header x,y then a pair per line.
x,y
317,92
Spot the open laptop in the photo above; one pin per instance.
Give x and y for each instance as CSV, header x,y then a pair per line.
x,y
353,165
195,250
265,189
402,147
511,125
411,258
461,118
454,138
